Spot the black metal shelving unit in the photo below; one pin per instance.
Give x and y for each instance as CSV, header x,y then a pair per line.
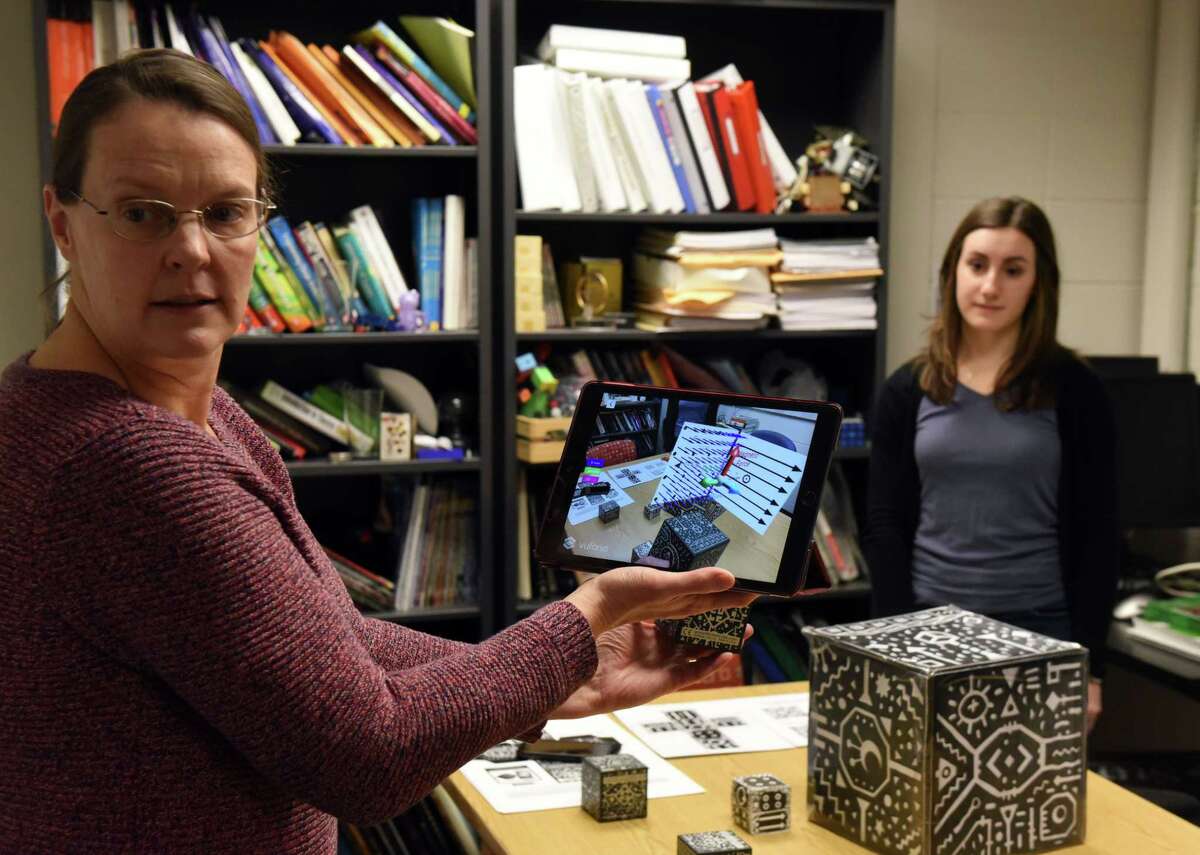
x,y
851,59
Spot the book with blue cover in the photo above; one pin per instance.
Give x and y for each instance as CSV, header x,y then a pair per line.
x,y
658,108
427,249
381,33
281,230
225,64
313,127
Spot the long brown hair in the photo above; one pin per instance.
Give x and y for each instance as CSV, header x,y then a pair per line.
x,y
1024,383
158,74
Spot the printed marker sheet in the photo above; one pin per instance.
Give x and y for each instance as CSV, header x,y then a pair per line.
x,y
528,785
754,477
728,726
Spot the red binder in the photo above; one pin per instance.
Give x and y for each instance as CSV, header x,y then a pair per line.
x,y
739,160
745,120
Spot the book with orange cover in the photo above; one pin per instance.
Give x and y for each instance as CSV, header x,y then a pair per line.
x,y
735,153
745,121
403,131
668,372
336,99
60,45
348,136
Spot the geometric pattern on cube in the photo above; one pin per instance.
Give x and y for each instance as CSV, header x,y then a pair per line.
x,y
711,843
613,787
995,713
761,803
719,629
689,541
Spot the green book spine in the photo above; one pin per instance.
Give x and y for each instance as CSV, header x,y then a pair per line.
x,y
289,276
328,399
273,282
368,283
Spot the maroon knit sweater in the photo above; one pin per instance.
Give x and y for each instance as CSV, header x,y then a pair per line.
x,y
182,669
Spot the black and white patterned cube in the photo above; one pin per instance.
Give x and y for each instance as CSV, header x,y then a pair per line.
x,y
640,552
609,511
712,508
711,843
944,731
689,541
761,803
719,629
614,787
652,510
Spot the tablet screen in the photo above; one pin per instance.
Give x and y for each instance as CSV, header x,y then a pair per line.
x,y
677,483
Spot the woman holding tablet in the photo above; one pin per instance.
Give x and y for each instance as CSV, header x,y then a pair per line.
x,y
183,669
993,460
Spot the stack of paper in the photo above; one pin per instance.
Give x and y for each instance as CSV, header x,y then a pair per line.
x,y
705,280
828,284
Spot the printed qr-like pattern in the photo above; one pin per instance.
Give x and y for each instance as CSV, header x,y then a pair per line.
x,y
1004,713
715,843
626,800
761,803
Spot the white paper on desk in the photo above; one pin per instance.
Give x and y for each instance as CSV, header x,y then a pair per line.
x,y
638,473
588,507
729,726
527,785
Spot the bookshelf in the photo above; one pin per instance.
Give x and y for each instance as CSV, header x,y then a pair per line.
x,y
838,71
326,181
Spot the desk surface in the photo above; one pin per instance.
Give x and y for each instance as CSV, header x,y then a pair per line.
x,y
1118,821
751,555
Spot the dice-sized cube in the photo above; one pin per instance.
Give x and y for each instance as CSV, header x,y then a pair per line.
x,y
761,803
568,543
712,843
640,552
652,510
613,787
689,541
713,509
719,629
609,511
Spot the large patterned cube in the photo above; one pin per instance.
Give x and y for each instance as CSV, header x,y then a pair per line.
x,y
761,803
609,511
719,629
614,787
689,541
943,731
711,843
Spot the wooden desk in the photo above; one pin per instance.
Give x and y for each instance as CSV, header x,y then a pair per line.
x,y
1118,822
747,551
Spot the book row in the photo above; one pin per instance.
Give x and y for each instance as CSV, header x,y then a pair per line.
x,y
376,91
346,276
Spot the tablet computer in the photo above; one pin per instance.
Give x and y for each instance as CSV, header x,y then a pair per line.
x,y
679,479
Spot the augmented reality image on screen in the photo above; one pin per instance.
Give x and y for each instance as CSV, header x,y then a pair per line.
x,y
681,484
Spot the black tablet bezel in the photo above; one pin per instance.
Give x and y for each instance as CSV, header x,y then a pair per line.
x,y
792,564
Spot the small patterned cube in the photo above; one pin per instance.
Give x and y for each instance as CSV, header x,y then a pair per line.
x,y
614,787
679,507
712,843
568,543
609,511
640,552
689,541
712,509
720,629
762,803
652,510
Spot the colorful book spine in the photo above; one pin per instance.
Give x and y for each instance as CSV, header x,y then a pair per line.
x,y
313,126
427,239
311,309
261,303
220,57
436,105
357,307
281,230
322,270
382,34
272,279
658,109
311,415
386,67
364,277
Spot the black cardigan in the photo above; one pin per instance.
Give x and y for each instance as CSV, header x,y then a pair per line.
x,y
1088,532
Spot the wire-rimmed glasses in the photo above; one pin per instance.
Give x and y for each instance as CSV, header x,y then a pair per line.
x,y
151,219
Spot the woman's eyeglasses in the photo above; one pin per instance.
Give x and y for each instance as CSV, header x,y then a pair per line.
x,y
150,219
